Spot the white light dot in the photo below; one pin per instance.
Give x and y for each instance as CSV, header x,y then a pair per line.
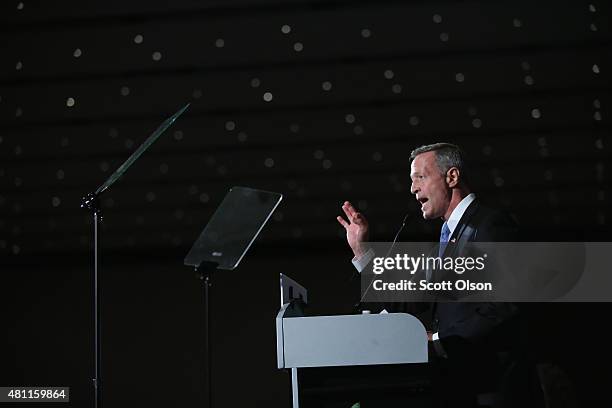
x,y
230,125
77,53
267,96
437,18
377,156
242,137
255,82
366,33
138,39
477,123
156,56
60,174
19,65
178,135
326,86
269,162
444,37
396,88
163,168
298,46
349,118
18,112
70,102
414,120
318,154
125,91
20,5
389,74
197,94
593,27
517,23
204,198
596,68
219,43
56,201
528,80
326,164
358,130
459,77
536,114
150,196
597,116
285,29
592,8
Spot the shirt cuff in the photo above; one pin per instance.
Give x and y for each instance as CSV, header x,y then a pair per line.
x,y
437,344
363,261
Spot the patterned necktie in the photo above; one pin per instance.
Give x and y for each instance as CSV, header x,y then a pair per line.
x,y
444,236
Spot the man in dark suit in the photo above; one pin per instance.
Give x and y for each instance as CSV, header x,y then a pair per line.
x,y
467,337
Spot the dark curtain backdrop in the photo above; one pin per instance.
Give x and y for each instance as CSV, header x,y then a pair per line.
x,y
319,100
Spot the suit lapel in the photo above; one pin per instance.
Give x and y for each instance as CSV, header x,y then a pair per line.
x,y
463,232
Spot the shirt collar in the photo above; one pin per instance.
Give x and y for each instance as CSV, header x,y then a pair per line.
x,y
457,213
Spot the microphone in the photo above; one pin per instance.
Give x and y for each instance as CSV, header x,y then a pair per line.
x,y
407,218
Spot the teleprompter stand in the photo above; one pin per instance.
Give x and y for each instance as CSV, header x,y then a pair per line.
x,y
92,203
221,246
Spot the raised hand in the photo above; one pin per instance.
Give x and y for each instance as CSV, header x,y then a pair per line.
x,y
356,229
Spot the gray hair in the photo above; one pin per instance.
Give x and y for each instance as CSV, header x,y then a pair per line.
x,y
448,155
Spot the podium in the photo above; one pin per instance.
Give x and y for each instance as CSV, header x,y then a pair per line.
x,y
358,356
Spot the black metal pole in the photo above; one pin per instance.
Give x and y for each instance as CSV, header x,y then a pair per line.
x,y
97,312
206,276
92,203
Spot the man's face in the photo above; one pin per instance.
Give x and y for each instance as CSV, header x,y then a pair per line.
x,y
429,186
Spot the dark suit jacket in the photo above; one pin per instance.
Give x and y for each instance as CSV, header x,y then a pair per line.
x,y
469,320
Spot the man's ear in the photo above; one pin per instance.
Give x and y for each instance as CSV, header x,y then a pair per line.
x,y
452,177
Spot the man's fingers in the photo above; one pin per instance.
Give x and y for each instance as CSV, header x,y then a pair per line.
x,y
347,210
342,222
349,207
